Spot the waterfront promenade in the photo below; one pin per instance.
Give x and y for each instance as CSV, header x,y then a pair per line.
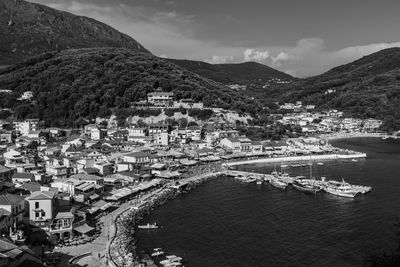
x,y
343,135
298,158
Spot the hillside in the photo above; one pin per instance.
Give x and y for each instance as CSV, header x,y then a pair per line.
x,y
368,87
241,73
85,83
28,29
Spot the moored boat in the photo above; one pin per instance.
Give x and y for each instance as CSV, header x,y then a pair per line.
x,y
306,187
157,252
148,226
275,182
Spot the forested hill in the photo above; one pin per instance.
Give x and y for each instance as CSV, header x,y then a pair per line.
x,y
85,83
368,87
28,29
241,73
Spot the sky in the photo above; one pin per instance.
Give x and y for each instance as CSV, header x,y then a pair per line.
x,y
299,37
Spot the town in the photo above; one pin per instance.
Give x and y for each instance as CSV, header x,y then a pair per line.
x,y
59,186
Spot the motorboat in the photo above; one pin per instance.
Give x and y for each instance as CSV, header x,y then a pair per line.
x,y
148,226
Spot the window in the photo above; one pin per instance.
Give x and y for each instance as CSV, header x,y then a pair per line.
x,y
43,213
37,214
36,205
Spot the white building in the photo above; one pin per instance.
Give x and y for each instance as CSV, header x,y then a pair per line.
x,y
160,98
26,126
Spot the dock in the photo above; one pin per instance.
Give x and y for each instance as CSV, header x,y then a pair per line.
x,y
258,176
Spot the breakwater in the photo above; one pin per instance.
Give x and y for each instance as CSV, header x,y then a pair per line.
x,y
122,249
299,158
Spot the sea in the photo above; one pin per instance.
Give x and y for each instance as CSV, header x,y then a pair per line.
x,y
228,223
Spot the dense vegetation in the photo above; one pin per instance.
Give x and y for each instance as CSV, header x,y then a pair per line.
x,y
242,73
86,83
366,88
28,29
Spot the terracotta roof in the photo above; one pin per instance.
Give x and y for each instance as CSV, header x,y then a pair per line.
x,y
38,195
23,175
4,169
10,199
85,177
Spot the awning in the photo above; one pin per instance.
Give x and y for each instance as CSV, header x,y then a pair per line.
x,y
94,196
188,162
83,229
106,206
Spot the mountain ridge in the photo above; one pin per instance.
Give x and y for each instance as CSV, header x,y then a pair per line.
x,y
366,87
237,73
95,82
28,29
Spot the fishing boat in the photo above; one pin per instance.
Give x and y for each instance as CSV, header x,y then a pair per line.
x,y
275,182
306,187
343,189
148,226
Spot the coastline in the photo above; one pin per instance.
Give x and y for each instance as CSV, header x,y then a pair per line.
x,y
338,136
121,246
299,158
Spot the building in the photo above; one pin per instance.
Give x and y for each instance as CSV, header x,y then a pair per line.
x,y
139,158
188,104
13,206
159,98
23,177
41,208
57,170
26,126
237,144
98,134
92,179
61,226
5,174
27,95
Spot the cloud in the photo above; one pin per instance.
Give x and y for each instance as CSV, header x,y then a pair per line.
x,y
254,55
310,56
220,59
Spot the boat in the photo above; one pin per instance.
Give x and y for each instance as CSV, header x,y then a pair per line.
x,y
320,163
148,226
305,186
275,182
260,181
343,189
354,160
157,252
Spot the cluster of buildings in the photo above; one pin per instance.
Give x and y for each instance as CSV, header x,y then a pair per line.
x,y
161,99
54,179
329,122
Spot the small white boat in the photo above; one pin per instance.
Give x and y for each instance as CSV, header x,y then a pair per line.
x,y
148,226
320,163
354,160
157,253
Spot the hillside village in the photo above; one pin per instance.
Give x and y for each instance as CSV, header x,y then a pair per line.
x,y
61,181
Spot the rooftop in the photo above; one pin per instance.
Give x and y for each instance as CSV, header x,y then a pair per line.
x,y
10,199
40,195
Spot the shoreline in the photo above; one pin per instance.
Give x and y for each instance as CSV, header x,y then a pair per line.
x,y
299,158
121,249
351,135
121,246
